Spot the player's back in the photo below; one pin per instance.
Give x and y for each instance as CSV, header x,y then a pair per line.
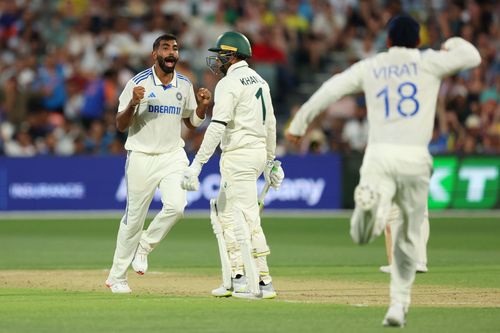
x,y
243,100
401,95
401,88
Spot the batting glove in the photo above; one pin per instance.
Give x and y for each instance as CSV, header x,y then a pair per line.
x,y
274,174
190,181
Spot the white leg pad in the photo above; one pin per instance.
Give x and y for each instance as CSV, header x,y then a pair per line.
x,y
219,235
259,242
242,234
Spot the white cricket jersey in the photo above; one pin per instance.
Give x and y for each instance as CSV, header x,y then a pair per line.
x,y
243,101
400,88
156,126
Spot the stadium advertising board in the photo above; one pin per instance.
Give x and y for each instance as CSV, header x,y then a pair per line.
x,y
97,183
471,182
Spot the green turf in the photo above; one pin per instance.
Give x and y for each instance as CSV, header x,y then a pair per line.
x,y
48,311
463,252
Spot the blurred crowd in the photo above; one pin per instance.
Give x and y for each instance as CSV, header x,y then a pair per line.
x,y
63,64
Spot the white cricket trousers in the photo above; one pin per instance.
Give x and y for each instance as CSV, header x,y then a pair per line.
x,y
401,175
240,170
144,174
395,222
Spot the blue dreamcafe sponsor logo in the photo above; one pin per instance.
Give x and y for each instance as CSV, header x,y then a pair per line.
x,y
165,109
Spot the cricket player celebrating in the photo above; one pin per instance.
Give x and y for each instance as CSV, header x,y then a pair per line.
x,y
243,118
401,88
152,105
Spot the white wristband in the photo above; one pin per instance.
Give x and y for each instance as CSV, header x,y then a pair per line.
x,y
195,120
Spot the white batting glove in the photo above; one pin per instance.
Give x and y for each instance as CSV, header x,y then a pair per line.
x,y
274,174
190,181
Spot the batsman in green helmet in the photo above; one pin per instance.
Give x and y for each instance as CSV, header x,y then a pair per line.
x,y
244,124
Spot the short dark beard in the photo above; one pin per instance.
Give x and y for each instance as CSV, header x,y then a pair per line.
x,y
164,68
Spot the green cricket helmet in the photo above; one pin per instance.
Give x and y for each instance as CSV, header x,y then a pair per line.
x,y
229,45
234,42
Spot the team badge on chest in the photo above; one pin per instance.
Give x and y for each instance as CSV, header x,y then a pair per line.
x,y
179,96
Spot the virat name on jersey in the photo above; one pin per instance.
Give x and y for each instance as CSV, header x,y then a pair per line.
x,y
395,71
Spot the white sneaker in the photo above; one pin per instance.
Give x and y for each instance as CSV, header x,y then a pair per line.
x,y
267,291
422,268
238,285
140,261
364,216
222,292
247,295
385,269
396,316
118,287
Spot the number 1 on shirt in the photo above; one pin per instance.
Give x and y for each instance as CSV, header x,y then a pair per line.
x,y
259,95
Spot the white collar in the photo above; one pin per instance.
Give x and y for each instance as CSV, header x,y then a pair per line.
x,y
158,82
235,66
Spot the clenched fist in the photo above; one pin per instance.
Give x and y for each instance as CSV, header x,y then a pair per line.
x,y
204,96
137,94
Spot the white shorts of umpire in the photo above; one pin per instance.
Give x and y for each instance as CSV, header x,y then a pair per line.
x,y
369,216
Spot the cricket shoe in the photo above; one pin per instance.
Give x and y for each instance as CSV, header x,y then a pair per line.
x,y
385,269
247,295
222,292
118,287
140,261
238,284
363,219
396,316
422,268
267,290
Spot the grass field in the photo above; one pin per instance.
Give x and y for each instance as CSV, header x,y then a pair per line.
x,y
52,273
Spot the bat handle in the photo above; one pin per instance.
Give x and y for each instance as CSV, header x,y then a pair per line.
x,y
267,186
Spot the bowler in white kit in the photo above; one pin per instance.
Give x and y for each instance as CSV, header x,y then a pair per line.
x,y
400,88
152,106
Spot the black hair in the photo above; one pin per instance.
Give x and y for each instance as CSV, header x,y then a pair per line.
x,y
403,30
240,56
156,44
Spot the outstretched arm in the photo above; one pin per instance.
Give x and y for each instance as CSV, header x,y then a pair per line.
x,y
456,55
347,82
